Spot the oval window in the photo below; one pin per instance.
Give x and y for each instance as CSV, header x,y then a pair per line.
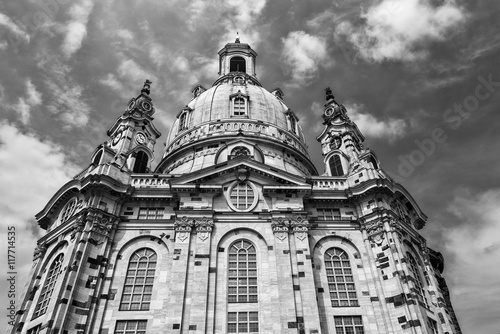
x,y
242,196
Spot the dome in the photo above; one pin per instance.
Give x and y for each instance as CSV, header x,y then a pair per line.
x,y
236,115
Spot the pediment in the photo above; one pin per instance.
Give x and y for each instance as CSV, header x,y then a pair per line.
x,y
222,172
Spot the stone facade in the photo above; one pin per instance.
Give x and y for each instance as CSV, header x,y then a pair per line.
x,y
234,231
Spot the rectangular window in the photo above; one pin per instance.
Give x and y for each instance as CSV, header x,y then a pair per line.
x,y
131,327
434,326
34,330
239,107
293,124
151,213
329,214
348,325
243,322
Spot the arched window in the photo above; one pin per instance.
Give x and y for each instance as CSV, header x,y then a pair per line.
x,y
237,64
336,166
415,272
239,107
340,278
138,286
183,121
48,286
97,158
242,273
141,162
293,124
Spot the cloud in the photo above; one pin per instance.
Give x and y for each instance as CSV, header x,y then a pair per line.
x,y
32,170
401,30
475,249
302,55
130,70
14,28
65,98
76,29
370,126
24,105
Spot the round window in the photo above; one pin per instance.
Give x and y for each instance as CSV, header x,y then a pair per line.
x,y
242,196
68,210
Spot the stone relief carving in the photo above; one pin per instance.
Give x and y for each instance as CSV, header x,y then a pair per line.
x,y
280,228
40,250
183,228
204,227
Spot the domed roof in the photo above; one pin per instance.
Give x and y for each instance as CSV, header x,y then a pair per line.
x,y
236,115
216,104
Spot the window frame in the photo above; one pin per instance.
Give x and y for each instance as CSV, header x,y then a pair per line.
x,y
415,272
142,165
236,264
230,196
340,279
343,325
337,163
129,331
48,286
135,282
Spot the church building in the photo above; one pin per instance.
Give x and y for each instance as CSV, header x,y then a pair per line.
x,y
235,230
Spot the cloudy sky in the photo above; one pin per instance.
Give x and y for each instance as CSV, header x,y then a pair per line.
x,y
420,78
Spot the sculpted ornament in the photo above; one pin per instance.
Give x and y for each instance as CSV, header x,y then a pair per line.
x,y
40,250
375,231
183,228
101,226
300,226
280,228
78,226
204,228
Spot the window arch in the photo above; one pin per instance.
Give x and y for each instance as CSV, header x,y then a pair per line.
x,y
237,64
97,159
141,162
415,272
48,286
340,278
183,121
138,286
335,164
242,273
293,123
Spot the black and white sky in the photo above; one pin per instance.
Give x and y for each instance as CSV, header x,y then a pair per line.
x,y
419,77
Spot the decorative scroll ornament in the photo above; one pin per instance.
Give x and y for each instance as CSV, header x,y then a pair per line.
x,y
101,225
300,227
183,228
280,228
78,226
40,250
374,230
204,227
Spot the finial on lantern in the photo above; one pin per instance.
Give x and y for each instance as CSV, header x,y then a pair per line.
x,y
329,94
146,89
237,38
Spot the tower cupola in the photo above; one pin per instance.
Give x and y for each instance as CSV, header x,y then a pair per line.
x,y
237,57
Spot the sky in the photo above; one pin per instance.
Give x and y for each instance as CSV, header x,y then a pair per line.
x,y
419,77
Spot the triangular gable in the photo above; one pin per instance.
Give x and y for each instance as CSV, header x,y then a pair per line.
x,y
279,177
